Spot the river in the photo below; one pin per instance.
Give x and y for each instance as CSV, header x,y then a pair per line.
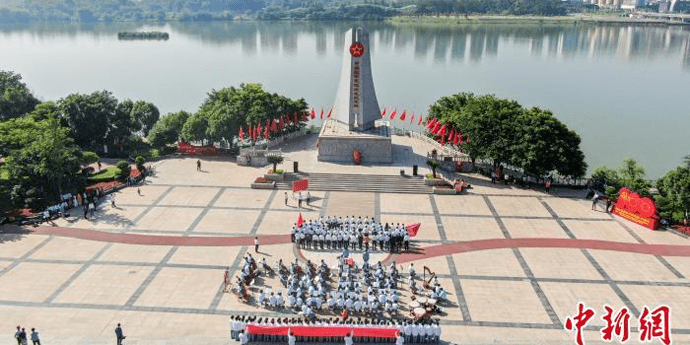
x,y
623,88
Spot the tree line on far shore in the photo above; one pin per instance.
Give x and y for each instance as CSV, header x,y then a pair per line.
x,y
87,11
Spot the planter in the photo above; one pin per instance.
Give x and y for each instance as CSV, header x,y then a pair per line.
x,y
433,181
444,191
274,177
264,185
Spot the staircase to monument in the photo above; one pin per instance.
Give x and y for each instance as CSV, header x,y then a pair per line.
x,y
361,183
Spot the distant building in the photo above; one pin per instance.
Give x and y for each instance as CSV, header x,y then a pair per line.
x,y
664,6
632,4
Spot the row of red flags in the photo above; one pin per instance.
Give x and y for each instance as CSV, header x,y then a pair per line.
x,y
403,116
445,133
276,125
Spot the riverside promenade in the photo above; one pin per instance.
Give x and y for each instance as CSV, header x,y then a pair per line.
x,y
516,262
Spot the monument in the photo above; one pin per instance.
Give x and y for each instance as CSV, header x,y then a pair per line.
x,y
353,126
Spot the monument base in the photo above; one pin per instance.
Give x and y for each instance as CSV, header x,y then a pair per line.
x,y
337,144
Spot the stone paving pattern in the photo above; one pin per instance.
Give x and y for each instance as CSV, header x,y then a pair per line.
x,y
499,250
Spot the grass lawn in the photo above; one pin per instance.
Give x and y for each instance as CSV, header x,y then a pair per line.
x,y
106,174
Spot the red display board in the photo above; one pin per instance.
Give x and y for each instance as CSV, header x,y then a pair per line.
x,y
324,331
636,209
300,185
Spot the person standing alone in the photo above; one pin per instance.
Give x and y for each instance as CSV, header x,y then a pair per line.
x,y
118,334
34,337
256,244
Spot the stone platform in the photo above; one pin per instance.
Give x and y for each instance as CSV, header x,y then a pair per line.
x,y
337,144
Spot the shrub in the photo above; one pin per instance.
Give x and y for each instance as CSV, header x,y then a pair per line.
x,y
140,162
124,169
105,175
88,157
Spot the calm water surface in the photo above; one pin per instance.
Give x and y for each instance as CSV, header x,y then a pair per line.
x,y
624,89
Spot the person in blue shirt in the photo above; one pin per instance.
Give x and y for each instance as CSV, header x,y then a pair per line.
x,y
118,334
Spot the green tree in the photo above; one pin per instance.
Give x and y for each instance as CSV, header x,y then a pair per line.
x,y
167,129
40,156
633,176
144,115
124,168
275,160
45,110
89,157
547,145
15,97
194,128
673,200
89,117
433,165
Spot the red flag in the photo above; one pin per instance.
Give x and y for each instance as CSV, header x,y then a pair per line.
x,y
241,134
296,121
383,112
393,114
412,229
443,140
442,132
431,123
456,139
321,114
451,134
412,119
300,220
255,133
304,115
250,130
313,114
329,113
281,124
258,129
437,127
421,118
402,116
266,132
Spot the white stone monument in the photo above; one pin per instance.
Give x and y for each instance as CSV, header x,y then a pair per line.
x,y
352,127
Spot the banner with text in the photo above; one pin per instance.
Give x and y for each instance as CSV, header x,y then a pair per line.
x,y
636,209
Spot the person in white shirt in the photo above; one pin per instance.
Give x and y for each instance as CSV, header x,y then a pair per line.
x,y
273,300
291,338
399,339
348,339
244,339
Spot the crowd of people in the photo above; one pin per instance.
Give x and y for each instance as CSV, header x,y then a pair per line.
x,y
347,289
336,233
424,331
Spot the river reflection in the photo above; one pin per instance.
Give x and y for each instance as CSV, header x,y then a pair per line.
x,y
623,88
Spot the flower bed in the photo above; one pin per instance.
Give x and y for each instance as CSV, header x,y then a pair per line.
x,y
431,181
444,189
682,229
274,176
104,186
263,183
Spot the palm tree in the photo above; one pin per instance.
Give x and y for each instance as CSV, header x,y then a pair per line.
x,y
275,160
433,165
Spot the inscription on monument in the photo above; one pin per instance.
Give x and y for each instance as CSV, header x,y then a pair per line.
x,y
355,85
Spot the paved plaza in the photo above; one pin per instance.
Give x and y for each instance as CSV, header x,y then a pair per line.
x,y
516,261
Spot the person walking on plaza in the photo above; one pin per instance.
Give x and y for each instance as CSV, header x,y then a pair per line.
x,y
547,186
16,335
286,198
22,336
34,337
595,199
112,201
118,334
299,200
256,244
198,165
308,199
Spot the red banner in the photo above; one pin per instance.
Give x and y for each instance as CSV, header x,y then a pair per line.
x,y
324,331
300,185
189,149
636,209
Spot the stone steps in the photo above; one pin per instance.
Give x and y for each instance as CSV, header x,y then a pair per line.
x,y
360,183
